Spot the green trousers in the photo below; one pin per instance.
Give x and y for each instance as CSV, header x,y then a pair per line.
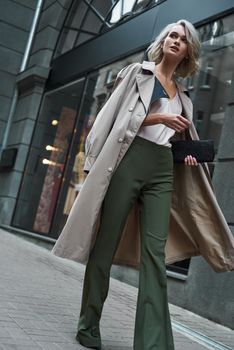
x,y
144,174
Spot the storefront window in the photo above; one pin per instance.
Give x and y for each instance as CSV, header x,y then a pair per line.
x,y
210,89
48,155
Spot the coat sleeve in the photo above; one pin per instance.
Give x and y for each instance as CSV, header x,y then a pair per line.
x,y
103,123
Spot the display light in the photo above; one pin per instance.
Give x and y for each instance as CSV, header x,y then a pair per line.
x,y
52,148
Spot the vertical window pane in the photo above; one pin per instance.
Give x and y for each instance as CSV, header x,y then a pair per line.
x,y
102,6
121,8
92,23
141,4
78,14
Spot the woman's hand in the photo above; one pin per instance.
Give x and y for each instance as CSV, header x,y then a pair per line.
x,y
189,160
173,121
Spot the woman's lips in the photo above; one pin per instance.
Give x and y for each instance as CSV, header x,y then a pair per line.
x,y
174,48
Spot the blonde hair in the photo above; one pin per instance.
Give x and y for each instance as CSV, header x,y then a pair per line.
x,y
188,66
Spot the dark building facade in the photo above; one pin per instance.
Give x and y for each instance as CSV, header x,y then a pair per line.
x,y
58,62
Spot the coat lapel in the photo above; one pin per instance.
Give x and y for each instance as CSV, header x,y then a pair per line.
x,y
145,82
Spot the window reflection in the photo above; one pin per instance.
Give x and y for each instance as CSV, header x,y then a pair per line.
x,y
45,167
121,8
211,87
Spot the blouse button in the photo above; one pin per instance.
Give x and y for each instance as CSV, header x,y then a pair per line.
x,y
110,169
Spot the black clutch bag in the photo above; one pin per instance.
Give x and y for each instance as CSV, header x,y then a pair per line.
x,y
202,150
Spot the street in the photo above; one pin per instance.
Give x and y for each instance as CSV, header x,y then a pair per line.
x,y
40,298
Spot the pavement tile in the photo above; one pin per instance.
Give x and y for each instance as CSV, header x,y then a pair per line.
x,y
8,322
20,347
49,346
20,342
4,332
41,307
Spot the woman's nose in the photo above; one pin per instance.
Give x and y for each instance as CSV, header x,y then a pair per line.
x,y
177,41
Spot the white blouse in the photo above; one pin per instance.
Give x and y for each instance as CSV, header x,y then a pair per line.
x,y
160,133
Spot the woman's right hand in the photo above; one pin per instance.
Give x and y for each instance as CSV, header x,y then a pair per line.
x,y
173,121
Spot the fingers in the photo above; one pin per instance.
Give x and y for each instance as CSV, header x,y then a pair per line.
x,y
184,120
189,160
182,123
174,121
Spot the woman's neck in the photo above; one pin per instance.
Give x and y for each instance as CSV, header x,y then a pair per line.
x,y
166,69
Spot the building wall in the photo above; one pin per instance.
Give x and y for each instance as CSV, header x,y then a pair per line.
x,y
14,31
15,22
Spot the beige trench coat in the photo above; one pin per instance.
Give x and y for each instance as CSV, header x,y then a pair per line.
x,y
197,225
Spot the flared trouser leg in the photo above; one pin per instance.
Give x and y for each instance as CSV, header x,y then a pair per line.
x,y
119,198
152,322
152,185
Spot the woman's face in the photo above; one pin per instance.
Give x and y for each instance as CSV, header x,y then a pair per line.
x,y
175,43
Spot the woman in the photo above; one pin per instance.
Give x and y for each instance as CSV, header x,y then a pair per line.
x,y
129,161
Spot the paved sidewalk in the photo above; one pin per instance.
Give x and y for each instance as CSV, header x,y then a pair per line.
x,y
40,299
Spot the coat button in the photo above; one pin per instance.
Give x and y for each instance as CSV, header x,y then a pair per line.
x,y
110,169
130,109
120,140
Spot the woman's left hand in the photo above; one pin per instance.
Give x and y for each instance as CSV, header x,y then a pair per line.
x,y
189,160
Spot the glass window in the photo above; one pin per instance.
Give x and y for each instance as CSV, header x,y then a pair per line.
x,y
121,8
78,13
92,21
87,19
211,87
142,4
48,155
207,75
103,7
